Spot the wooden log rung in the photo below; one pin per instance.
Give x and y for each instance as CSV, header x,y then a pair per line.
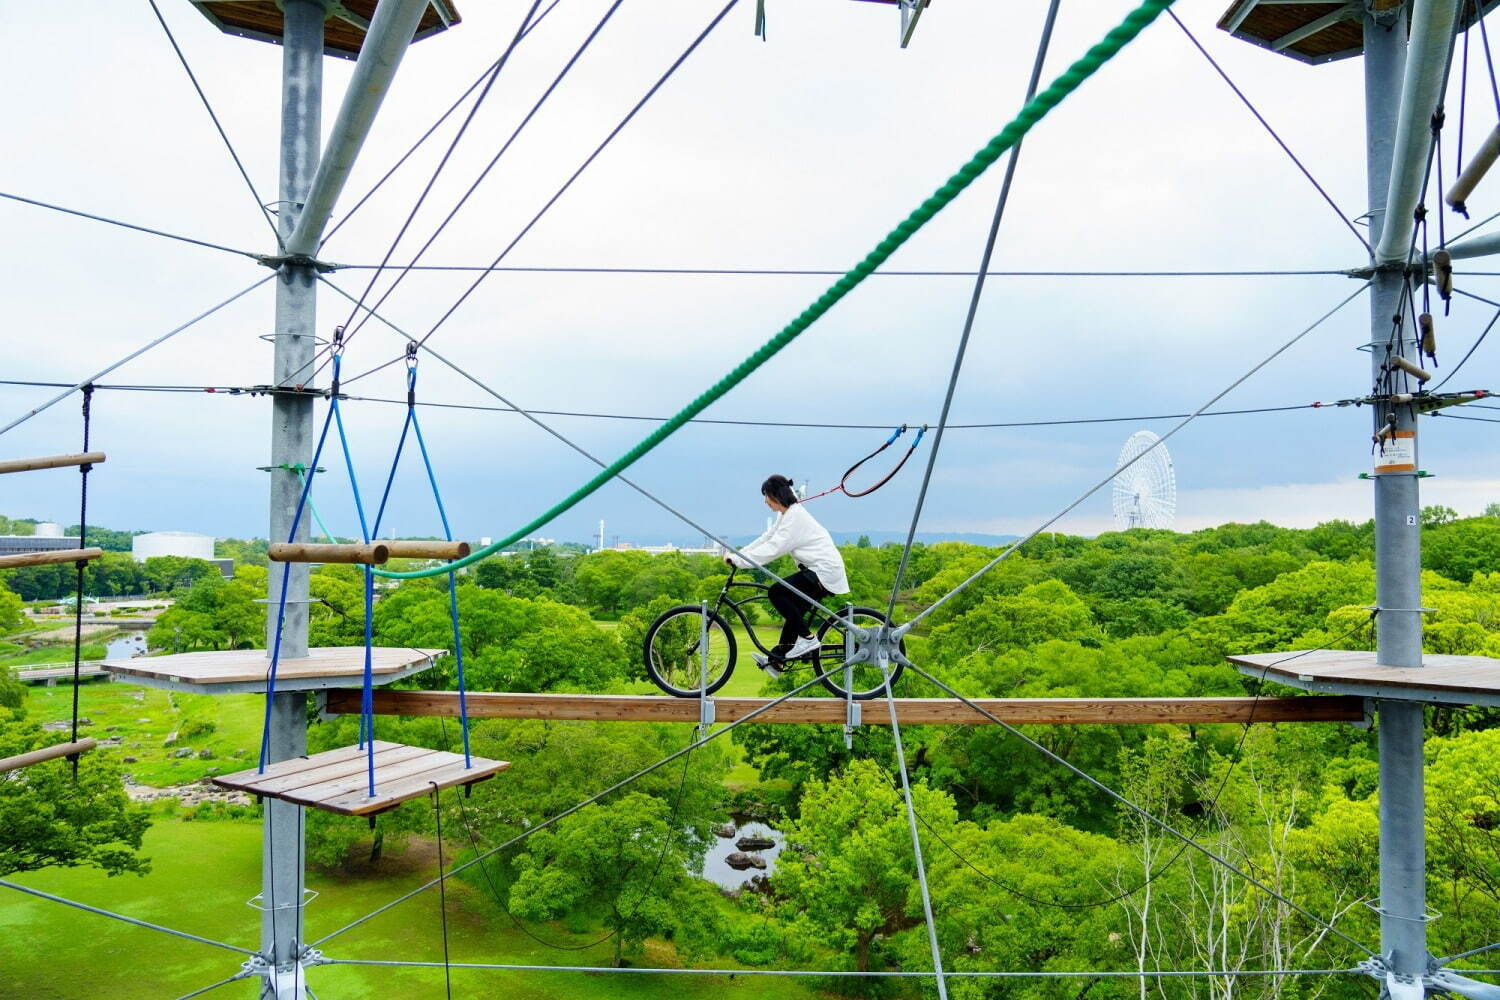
x,y
372,554
50,462
48,558
426,550
909,711
21,760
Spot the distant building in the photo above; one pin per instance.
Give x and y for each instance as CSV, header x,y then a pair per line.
x,y
187,544
11,545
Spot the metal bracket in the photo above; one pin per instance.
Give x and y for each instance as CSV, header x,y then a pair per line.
x,y
1426,918
320,702
275,262
254,902
1433,980
854,714
707,714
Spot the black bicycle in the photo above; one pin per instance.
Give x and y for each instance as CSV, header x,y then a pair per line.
x,y
677,641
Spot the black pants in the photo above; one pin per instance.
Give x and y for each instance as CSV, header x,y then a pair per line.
x,y
792,607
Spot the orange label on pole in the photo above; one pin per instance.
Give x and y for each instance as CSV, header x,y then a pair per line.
x,y
1398,454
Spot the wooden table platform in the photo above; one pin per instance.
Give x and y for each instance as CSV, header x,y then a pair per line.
x,y
909,711
1442,678
337,781
241,671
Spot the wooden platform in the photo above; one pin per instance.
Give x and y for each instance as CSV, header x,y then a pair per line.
x,y
1315,32
909,711
244,670
337,781
1454,680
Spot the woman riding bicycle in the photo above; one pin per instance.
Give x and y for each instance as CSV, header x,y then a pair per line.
x,y
820,569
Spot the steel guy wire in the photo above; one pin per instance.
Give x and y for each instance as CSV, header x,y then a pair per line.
x,y
128,225
243,974
1267,125
1206,813
968,328
428,134
629,116
133,355
124,919
1162,440
1481,223
260,202
574,445
849,974
1143,813
1455,416
225,390
1472,347
494,74
1467,954
557,817
469,192
890,700
830,272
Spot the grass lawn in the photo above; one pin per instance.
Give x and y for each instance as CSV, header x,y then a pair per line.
x,y
203,872
144,718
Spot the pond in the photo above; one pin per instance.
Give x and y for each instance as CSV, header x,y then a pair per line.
x,y
132,643
715,866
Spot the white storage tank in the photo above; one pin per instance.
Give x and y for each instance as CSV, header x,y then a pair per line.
x,y
172,543
48,529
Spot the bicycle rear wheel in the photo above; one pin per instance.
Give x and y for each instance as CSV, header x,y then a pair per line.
x,y
862,680
674,651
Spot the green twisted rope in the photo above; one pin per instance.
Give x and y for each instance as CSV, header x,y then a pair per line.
x,y
1033,112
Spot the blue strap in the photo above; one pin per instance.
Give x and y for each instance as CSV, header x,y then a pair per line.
x,y
458,645
894,435
286,572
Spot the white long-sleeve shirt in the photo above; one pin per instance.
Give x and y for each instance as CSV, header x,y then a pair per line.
x,y
798,534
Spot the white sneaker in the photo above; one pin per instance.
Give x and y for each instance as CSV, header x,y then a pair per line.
x,y
804,645
765,664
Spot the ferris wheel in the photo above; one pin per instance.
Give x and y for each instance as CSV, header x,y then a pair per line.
x,y
1145,494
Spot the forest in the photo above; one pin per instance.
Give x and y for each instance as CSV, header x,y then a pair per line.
x,y
1030,868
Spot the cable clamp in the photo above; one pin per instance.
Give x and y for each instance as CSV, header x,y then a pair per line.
x,y
255,902
276,261
1427,916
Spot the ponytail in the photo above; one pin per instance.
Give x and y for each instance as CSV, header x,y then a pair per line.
x,y
779,488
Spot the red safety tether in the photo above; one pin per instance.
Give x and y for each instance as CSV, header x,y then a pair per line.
x,y
843,486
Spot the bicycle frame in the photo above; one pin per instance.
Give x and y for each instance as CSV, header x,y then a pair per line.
x,y
763,594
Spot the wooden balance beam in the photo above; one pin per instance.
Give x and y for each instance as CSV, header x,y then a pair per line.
x,y
426,550
46,753
46,558
295,552
50,462
909,711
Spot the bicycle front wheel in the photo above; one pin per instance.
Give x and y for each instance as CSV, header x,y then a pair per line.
x,y
862,681
675,651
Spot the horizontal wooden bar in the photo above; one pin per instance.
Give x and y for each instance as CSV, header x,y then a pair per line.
x,y
909,711
372,554
44,754
50,462
47,558
426,550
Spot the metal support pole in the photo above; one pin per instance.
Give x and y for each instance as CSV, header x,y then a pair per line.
x,y
1403,933
390,32
705,704
851,707
1425,71
291,445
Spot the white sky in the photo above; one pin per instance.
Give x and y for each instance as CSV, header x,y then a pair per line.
x,y
798,152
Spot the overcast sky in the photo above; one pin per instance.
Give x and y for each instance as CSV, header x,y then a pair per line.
x,y
798,152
